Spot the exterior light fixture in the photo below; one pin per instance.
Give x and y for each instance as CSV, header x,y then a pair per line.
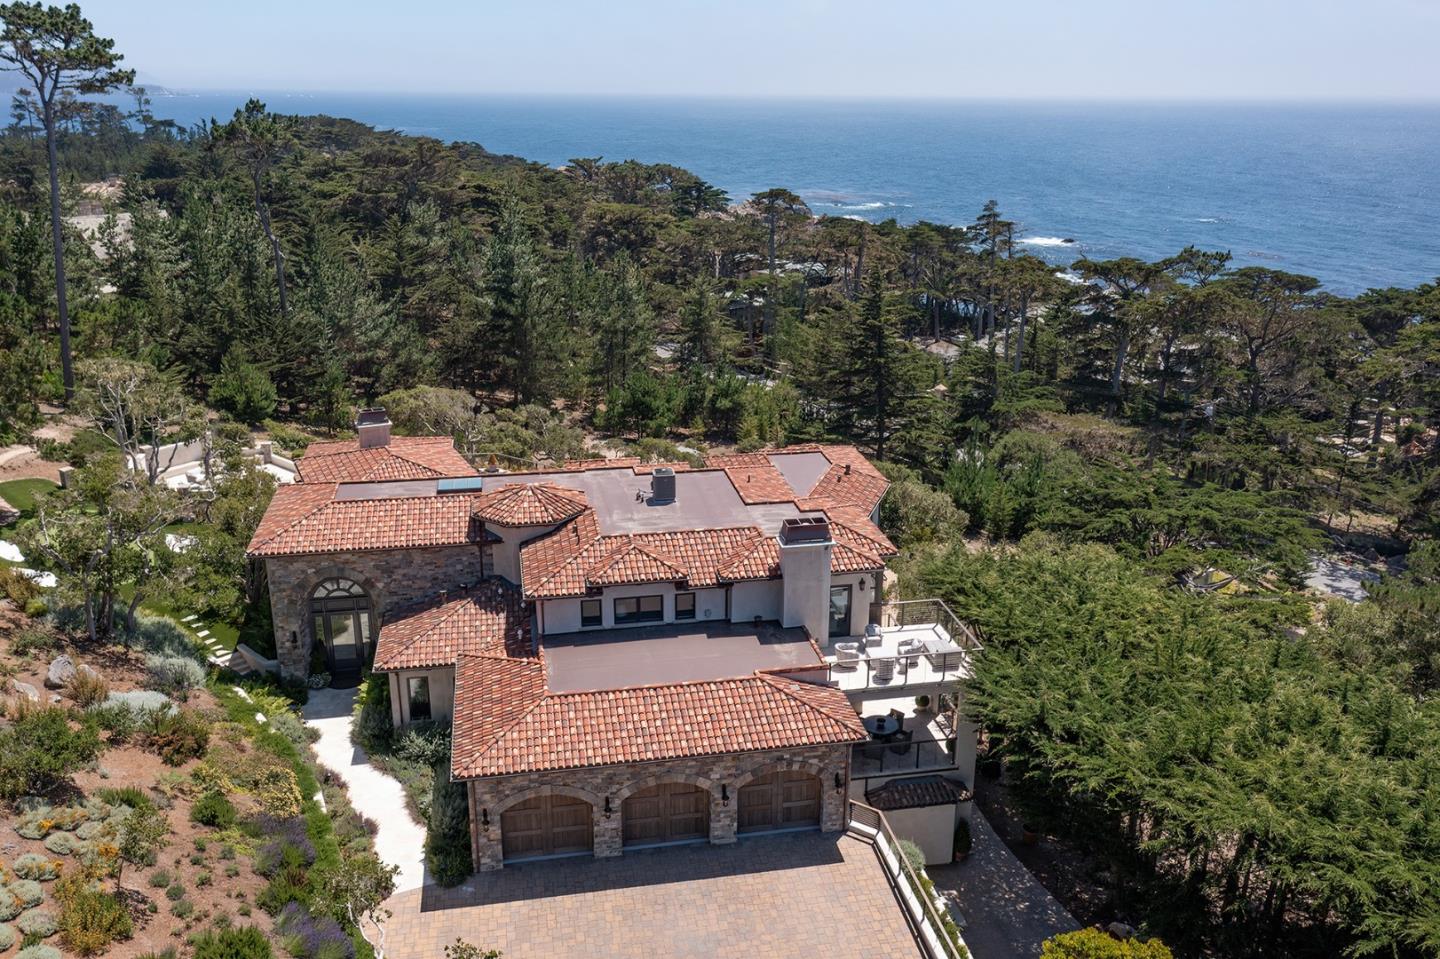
x,y
863,584
724,794
607,807
294,638
839,783
485,818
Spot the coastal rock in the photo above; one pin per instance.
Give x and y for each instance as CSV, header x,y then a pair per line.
x,y
61,671
26,690
1121,930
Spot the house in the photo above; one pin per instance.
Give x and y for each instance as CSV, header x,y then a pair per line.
x,y
635,654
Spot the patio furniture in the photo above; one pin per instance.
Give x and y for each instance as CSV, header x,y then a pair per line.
x,y
872,635
883,671
899,718
880,727
944,656
847,656
901,741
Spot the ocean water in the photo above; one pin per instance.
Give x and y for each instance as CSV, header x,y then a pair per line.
x,y
1349,194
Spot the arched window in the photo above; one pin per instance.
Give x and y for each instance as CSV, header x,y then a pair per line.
x,y
340,616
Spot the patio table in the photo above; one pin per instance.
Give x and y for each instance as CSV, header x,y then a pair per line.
x,y
881,727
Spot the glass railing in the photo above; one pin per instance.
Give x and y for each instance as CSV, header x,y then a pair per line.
x,y
877,758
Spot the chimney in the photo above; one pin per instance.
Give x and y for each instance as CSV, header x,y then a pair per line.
x,y
662,485
373,427
805,546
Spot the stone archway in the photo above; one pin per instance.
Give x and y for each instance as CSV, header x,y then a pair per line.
x,y
786,794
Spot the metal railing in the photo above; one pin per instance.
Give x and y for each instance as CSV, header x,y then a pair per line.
x,y
926,612
872,759
938,935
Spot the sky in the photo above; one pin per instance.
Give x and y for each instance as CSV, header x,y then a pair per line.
x,y
1037,49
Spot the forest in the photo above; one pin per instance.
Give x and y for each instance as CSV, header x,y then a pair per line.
x,y
1253,769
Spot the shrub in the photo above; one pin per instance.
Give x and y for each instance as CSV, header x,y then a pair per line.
x,y
176,892
65,844
427,743
7,937
963,841
17,588
140,702
117,719
309,937
38,922
182,909
90,919
39,952
28,891
132,796
35,866
86,689
290,884
277,791
162,636
288,845
9,905
447,840
40,750
177,737
159,879
214,810
1094,944
176,675
237,942
33,639
913,855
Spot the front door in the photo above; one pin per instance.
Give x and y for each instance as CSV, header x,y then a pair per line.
x,y
839,611
781,800
546,826
669,812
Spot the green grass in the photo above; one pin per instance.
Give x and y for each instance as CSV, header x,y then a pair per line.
x,y
226,635
21,493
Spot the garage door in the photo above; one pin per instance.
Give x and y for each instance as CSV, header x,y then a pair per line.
x,y
546,826
781,800
669,812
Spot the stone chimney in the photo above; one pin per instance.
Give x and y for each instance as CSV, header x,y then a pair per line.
x,y
805,546
373,427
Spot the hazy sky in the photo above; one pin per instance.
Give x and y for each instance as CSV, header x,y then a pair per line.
x,y
1263,49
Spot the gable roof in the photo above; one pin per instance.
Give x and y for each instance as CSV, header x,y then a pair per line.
x,y
488,619
307,518
404,457
529,504
506,723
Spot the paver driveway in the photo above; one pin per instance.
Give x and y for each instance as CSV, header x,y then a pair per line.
x,y
768,897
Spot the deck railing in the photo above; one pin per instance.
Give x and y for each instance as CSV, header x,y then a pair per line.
x,y
926,612
937,933
892,759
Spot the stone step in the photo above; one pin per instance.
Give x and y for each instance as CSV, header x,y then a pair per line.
x,y
186,619
203,633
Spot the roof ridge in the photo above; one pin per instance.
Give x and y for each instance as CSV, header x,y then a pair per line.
x,y
521,716
780,683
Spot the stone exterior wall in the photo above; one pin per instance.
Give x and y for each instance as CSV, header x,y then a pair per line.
x,y
492,796
391,578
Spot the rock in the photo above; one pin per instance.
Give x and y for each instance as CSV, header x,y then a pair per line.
x,y
61,671
56,699
26,690
88,670
1120,930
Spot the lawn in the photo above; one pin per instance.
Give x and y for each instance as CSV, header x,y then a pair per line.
x,y
21,493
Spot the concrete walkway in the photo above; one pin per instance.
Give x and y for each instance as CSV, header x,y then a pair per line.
x,y
1008,913
399,841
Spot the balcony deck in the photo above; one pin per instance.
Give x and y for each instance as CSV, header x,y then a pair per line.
x,y
926,752
893,662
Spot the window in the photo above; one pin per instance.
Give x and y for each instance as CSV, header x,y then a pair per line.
x,y
419,698
840,611
590,612
340,620
684,605
640,609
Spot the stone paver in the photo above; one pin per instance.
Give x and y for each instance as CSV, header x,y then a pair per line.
x,y
1008,914
811,895
399,841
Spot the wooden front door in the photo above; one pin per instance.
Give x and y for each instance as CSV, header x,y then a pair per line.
x,y
546,826
781,800
669,812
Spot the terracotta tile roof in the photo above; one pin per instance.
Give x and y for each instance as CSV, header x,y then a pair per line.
x,y
917,793
527,730
645,469
851,479
761,483
529,504
306,518
559,565
406,457
758,557
487,620
633,563
850,526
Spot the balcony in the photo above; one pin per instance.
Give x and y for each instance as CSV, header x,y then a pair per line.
x,y
922,746
917,645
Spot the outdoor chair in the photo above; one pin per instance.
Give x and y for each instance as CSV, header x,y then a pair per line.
x,y
899,717
884,670
900,743
847,656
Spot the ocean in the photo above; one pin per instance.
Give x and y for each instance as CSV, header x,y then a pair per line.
x,y
1349,193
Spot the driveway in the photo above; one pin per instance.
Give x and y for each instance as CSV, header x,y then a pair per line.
x,y
399,841
766,897
1008,913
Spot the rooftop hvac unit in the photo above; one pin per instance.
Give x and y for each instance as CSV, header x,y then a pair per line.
x,y
662,485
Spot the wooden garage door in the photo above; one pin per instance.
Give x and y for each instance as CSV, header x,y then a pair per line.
x,y
781,800
669,812
546,826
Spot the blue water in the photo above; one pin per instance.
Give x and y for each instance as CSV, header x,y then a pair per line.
x,y
1349,194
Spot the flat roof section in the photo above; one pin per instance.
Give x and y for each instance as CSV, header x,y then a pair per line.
x,y
801,470
673,653
704,499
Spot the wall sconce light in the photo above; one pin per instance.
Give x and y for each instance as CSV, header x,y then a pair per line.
x,y
863,584
839,783
294,638
485,818
607,807
724,794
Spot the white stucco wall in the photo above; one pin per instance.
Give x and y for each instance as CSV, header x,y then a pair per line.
x,y
505,555
860,599
563,615
442,693
805,575
932,828
761,598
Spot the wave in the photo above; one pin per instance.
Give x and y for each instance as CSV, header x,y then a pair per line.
x,y
1207,219
1047,241
1070,277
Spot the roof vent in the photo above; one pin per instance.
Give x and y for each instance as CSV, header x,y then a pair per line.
x,y
373,427
804,529
662,485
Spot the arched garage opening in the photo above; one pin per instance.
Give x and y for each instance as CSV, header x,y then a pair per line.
x,y
549,825
666,813
780,800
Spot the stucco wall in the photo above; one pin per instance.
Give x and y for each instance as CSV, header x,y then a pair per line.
x,y
489,798
755,598
932,828
860,600
390,578
442,693
563,615
505,555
